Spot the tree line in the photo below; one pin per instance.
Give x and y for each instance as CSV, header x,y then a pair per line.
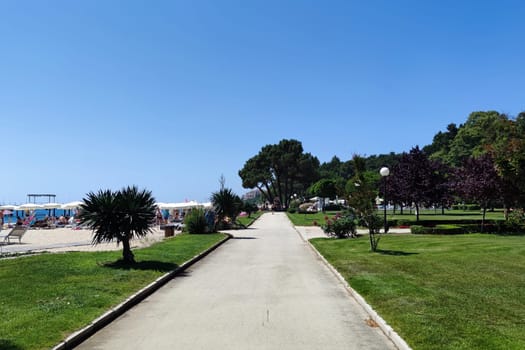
x,y
481,161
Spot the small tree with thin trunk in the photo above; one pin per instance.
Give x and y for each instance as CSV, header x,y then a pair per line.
x,y
362,191
119,216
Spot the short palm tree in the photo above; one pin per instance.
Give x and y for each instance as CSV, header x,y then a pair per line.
x,y
119,216
226,204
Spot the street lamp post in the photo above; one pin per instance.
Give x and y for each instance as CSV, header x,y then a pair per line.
x,y
384,173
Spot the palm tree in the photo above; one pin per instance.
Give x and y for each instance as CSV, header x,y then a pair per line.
x,y
226,204
119,216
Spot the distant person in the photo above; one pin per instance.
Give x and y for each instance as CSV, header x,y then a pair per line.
x,y
19,221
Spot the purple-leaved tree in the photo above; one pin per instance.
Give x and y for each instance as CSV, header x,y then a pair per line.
x,y
478,181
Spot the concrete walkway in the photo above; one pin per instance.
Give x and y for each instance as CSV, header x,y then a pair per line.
x,y
264,289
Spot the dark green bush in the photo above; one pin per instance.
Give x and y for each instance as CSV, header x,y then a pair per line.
x,y
292,210
403,222
195,221
437,230
294,204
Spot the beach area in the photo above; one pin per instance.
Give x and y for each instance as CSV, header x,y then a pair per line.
x,y
70,239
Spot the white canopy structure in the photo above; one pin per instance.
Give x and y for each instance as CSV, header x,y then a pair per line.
x,y
182,205
30,206
51,205
71,205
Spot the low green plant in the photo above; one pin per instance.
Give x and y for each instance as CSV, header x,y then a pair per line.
x,y
195,221
516,220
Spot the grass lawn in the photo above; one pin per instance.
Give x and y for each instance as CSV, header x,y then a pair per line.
x,y
440,292
44,298
450,215
309,218
248,220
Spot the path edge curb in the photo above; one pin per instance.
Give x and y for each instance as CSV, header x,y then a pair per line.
x,y
100,322
399,342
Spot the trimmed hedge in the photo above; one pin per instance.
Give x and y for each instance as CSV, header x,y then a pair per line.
x,y
498,227
438,230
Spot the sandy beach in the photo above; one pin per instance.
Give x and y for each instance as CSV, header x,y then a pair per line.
x,y
68,239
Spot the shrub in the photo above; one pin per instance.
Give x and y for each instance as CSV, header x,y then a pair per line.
x,y
292,210
340,227
437,230
516,219
195,221
421,230
294,204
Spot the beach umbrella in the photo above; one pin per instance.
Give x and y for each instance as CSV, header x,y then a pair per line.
x,y
50,206
72,205
8,207
7,212
30,206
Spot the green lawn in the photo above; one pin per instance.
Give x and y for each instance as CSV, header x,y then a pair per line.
x,y
440,292
309,218
44,298
450,215
248,220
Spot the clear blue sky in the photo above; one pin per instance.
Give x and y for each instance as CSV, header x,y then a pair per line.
x,y
169,95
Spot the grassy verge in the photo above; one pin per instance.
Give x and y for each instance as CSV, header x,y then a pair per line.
x,y
440,292
248,220
46,297
308,219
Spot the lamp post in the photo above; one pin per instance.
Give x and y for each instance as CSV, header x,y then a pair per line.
x,y
384,173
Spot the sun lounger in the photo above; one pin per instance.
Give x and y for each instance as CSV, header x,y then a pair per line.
x,y
16,232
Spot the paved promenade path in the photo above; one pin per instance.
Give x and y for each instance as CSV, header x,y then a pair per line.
x,y
264,289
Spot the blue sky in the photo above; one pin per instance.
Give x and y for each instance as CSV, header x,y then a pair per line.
x,y
170,95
